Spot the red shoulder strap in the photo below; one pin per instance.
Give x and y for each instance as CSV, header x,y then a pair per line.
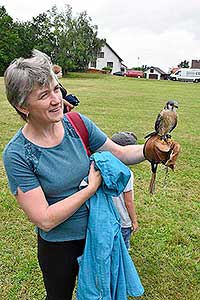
x,y
80,128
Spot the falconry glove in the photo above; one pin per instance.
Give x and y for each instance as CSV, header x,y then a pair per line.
x,y
158,151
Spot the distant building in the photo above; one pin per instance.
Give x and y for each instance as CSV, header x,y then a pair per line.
x,y
155,73
195,64
174,69
107,57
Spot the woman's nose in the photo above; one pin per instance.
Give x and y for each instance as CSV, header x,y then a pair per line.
x,y
56,98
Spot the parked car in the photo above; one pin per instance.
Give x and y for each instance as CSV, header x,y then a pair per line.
x,y
119,73
134,73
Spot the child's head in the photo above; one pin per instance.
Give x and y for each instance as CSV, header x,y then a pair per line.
x,y
124,138
57,70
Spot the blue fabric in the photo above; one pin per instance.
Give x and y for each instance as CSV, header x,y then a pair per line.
x,y
106,268
58,170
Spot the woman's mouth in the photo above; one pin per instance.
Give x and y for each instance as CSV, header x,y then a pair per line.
x,y
57,109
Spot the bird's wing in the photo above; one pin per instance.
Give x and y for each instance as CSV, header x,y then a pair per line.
x,y
158,122
157,126
174,122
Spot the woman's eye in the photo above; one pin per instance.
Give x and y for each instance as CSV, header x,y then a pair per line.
x,y
57,88
43,96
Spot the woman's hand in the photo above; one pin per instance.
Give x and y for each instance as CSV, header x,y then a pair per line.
x,y
47,216
94,178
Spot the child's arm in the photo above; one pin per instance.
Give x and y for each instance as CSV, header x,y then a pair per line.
x,y
130,205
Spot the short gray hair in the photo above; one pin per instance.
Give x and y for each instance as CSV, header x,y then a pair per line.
x,y
24,74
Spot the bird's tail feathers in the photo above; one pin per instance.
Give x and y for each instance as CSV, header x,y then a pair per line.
x,y
152,183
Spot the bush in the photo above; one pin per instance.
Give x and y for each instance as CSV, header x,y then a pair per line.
x,y
107,69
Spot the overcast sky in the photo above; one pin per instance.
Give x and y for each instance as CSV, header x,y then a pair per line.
x,y
151,32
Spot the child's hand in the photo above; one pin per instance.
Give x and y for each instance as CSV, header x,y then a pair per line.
x,y
135,226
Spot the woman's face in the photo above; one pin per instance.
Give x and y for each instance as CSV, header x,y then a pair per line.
x,y
45,104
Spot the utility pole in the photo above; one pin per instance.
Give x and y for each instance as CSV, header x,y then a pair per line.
x,y
138,59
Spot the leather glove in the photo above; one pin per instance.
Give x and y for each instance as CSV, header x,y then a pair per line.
x,y
160,151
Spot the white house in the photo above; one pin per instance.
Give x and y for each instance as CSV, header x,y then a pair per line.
x,y
107,57
155,73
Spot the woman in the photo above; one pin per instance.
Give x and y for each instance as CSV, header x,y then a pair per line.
x,y
45,162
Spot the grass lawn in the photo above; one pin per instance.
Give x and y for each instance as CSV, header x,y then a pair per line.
x,y
166,248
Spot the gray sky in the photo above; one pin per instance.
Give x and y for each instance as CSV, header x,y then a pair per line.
x,y
152,32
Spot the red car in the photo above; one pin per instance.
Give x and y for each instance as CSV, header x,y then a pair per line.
x,y
134,73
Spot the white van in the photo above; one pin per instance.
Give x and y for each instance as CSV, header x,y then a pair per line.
x,y
186,75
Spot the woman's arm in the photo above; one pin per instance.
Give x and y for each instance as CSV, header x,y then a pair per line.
x,y
130,155
47,216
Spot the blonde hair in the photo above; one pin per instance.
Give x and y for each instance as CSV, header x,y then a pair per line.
x,y
56,69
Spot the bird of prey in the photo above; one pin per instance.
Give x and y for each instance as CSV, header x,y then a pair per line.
x,y
166,121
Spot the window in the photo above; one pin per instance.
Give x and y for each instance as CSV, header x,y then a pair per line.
x,y
101,55
93,64
110,64
151,70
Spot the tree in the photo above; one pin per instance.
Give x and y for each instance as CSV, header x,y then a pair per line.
x,y
26,40
70,42
43,33
63,36
142,68
76,39
8,41
86,45
184,64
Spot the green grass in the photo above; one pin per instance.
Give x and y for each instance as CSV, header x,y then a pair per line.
x,y
166,248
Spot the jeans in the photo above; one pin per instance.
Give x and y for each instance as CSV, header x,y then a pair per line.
x,y
126,233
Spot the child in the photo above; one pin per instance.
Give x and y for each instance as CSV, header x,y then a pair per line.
x,y
125,201
69,100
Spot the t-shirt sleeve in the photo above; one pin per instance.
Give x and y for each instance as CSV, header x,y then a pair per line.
x,y
129,186
96,136
18,172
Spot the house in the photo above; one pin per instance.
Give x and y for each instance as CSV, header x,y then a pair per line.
x,y
107,57
155,73
173,70
195,64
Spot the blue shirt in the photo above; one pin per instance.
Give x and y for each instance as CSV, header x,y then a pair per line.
x,y
58,170
106,268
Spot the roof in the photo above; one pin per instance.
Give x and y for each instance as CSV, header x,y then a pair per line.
x,y
114,52
124,65
157,69
173,70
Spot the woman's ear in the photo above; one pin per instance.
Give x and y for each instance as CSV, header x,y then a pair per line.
x,y
24,110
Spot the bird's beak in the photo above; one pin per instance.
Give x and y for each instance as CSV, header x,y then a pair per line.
x,y
176,104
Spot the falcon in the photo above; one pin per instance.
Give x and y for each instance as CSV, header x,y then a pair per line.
x,y
166,121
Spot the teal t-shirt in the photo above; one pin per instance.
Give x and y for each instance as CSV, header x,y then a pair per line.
x,y
58,170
